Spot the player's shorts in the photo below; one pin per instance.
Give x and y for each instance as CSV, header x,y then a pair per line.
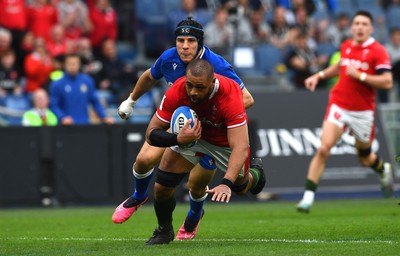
x,y
360,123
219,154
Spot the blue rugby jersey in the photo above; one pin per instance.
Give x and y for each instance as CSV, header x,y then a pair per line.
x,y
170,66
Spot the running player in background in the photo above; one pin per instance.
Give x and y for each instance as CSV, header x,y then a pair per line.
x,y
364,67
222,136
171,65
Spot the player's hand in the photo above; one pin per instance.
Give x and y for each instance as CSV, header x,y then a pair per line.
x,y
187,135
125,110
221,193
311,82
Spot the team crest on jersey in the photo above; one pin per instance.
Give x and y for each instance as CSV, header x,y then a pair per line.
x,y
84,88
348,50
174,66
365,52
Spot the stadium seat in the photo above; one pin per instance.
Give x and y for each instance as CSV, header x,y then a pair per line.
x,y
268,58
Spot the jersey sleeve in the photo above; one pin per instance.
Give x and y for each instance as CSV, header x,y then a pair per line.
x,y
383,62
155,70
235,113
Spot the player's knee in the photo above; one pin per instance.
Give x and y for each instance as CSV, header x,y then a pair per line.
x,y
324,151
168,179
145,161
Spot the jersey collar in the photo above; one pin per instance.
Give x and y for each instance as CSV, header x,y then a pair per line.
x,y
202,52
215,90
367,43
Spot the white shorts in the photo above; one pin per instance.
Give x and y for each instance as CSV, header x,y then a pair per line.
x,y
360,123
219,154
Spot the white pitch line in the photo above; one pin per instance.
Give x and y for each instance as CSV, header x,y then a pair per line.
x,y
305,241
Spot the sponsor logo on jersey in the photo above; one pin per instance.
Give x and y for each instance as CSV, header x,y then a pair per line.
x,y
355,63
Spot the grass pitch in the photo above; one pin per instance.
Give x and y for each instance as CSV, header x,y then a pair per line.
x,y
335,227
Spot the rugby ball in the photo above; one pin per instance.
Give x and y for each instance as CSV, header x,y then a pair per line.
x,y
179,118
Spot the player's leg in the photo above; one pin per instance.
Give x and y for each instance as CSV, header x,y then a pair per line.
x,y
143,173
331,133
253,180
173,168
199,178
373,160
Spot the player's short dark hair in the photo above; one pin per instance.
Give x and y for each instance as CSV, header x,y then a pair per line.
x,y
190,27
364,13
200,67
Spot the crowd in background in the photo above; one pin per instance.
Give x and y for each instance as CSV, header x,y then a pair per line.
x,y
36,35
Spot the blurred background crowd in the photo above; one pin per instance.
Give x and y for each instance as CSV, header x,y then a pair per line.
x,y
266,41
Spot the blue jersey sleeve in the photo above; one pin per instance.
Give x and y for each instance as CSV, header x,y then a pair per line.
x,y
155,70
94,99
222,67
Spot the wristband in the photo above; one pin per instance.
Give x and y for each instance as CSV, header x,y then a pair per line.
x,y
362,77
321,74
226,182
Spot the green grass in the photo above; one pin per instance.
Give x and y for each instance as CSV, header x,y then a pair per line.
x,y
335,227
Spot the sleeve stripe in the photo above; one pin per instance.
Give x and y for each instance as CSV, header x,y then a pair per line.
x,y
237,125
162,119
383,66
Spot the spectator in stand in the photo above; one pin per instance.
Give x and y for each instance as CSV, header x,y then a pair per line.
x,y
339,29
302,61
58,44
5,40
42,16
104,20
71,96
90,64
10,75
13,18
37,67
40,114
220,33
113,75
393,49
261,30
188,8
11,92
73,15
282,34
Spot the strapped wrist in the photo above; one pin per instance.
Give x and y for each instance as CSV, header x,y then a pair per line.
x,y
321,74
226,182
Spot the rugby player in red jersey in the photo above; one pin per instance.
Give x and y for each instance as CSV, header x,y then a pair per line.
x,y
221,134
364,67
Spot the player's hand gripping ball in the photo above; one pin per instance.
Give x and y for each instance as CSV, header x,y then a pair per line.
x,y
179,118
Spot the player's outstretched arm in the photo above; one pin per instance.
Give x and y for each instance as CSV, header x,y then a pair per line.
x,y
143,85
312,81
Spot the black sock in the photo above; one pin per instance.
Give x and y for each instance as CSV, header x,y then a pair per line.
x,y
256,176
377,166
164,210
310,185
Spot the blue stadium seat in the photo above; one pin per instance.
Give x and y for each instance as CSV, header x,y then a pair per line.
x,y
268,57
17,103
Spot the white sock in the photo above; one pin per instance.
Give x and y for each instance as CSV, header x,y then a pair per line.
x,y
308,197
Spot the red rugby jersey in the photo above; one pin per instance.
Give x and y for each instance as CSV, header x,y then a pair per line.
x,y
350,93
223,110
